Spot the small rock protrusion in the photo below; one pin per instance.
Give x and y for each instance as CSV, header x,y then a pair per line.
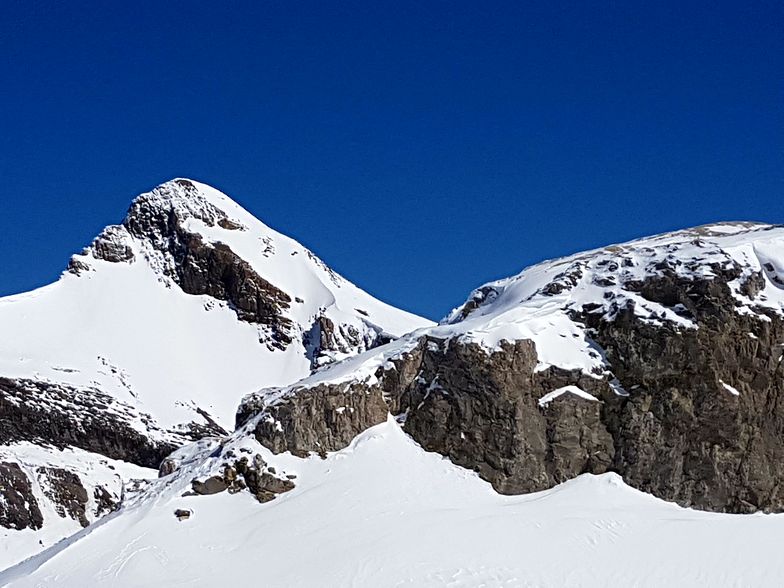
x,y
212,485
168,466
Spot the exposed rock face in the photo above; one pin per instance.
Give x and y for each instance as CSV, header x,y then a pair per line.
x,y
104,503
325,341
679,434
481,410
212,485
63,416
703,421
60,416
320,419
219,272
684,399
66,492
113,245
478,409
18,507
256,476
202,268
260,479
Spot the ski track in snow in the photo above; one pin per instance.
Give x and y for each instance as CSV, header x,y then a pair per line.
x,y
385,513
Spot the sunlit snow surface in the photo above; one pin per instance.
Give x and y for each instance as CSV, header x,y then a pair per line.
x,y
93,470
385,513
128,331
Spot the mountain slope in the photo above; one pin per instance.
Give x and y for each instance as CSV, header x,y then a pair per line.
x,y
121,321
654,364
383,512
150,339
660,359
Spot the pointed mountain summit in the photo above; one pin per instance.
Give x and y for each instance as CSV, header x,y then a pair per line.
x,y
188,304
151,338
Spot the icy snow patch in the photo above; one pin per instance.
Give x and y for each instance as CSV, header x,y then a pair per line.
x,y
729,388
549,397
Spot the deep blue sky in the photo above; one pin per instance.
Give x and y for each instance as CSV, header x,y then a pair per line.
x,y
419,148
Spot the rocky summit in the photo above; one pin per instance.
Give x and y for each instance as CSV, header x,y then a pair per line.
x,y
148,341
194,369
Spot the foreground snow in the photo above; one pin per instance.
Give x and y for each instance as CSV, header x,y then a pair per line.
x,y
383,512
94,471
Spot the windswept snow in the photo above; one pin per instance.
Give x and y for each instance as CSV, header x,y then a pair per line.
x,y
385,513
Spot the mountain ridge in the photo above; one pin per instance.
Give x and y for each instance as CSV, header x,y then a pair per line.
x,y
652,365
150,338
653,338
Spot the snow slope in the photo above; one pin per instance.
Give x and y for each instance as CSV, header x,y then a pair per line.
x,y
124,329
130,331
383,513
95,471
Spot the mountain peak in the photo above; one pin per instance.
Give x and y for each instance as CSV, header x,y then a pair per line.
x,y
195,237
149,341
183,198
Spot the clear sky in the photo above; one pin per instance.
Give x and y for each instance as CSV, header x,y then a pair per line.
x,y
420,148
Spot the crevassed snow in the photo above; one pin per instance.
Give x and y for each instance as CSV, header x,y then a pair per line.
x,y
385,513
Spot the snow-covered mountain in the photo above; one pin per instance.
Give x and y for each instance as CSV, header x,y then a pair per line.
x,y
659,359
148,341
539,436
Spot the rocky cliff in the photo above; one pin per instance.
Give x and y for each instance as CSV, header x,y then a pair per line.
x,y
659,359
